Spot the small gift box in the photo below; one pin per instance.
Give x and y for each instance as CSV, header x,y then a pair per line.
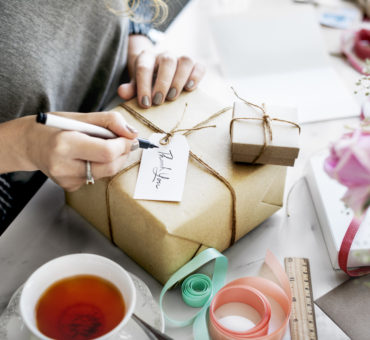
x,y
264,134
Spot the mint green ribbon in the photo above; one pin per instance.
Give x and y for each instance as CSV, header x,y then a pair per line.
x,y
197,290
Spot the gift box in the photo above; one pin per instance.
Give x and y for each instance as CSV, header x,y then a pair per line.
x,y
334,216
221,202
270,138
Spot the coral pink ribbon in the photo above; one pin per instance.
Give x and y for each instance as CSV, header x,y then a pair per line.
x,y
253,291
346,247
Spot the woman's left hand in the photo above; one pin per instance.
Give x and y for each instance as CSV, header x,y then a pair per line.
x,y
158,77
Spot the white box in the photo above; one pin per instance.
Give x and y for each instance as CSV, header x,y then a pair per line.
x,y
334,216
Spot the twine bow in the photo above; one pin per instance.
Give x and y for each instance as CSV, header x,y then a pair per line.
x,y
266,124
166,139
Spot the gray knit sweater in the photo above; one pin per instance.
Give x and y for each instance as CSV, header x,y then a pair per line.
x,y
58,56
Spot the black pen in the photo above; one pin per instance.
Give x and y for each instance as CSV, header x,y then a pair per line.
x,y
90,129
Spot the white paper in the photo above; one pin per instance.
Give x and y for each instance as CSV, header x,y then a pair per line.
x,y
318,94
162,170
279,56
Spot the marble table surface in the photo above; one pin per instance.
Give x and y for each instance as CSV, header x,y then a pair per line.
x,y
48,228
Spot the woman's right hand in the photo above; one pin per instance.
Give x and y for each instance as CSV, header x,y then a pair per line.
x,y
62,155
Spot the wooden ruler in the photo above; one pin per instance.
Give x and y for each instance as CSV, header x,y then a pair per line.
x,y
302,319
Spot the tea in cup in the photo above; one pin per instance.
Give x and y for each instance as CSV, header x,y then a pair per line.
x,y
77,297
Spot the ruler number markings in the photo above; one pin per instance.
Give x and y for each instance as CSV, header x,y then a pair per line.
x,y
302,319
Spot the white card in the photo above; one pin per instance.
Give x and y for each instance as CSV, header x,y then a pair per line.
x,y
163,170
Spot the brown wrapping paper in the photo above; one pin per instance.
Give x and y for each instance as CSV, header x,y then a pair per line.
x,y
247,136
163,236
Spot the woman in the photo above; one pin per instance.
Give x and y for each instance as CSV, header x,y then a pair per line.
x,y
69,57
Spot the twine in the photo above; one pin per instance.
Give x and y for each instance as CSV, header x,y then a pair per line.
x,y
174,130
266,125
166,139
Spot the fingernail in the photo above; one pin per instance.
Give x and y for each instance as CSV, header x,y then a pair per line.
x,y
135,145
145,101
172,93
157,98
131,129
189,84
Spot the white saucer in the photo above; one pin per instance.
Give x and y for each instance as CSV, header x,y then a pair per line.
x,y
13,328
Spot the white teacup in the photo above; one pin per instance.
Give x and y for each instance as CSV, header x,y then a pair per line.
x,y
72,265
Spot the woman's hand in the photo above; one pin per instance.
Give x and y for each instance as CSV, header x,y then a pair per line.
x,y
157,77
62,155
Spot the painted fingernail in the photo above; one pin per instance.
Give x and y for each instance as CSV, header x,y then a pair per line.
x,y
172,93
189,84
157,98
135,145
145,101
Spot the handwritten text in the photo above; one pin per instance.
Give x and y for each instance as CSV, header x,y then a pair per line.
x,y
163,171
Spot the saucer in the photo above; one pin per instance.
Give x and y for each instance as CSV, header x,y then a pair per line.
x,y
13,328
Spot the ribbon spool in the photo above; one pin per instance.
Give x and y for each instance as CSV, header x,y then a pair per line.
x,y
200,329
251,291
196,290
242,294
264,288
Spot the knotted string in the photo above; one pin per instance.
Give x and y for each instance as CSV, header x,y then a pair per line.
x,y
166,139
155,128
266,124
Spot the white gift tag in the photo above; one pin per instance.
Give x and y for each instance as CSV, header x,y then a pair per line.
x,y
162,170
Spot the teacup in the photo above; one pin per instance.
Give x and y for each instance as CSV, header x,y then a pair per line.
x,y
69,266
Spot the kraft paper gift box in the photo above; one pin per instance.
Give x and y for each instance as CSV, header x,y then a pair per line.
x,y
163,236
248,135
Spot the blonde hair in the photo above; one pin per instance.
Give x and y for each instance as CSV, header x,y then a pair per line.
x,y
158,9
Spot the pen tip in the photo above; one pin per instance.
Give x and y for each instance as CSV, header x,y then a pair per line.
x,y
155,146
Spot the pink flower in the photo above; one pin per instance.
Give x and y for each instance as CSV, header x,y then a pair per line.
x,y
349,164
